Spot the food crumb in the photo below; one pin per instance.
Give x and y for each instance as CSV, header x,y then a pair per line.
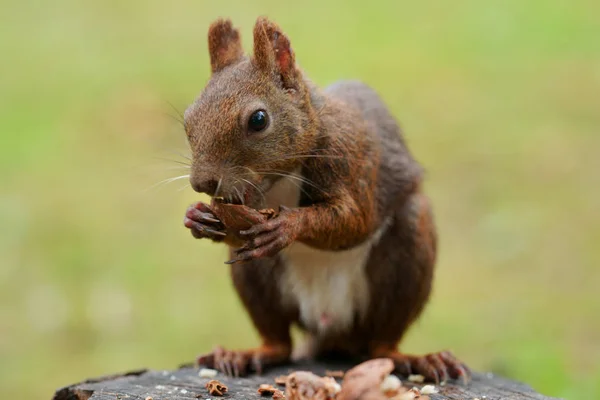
x,y
331,385
149,398
215,388
416,378
278,394
428,389
413,393
266,389
302,385
207,373
409,395
390,384
337,388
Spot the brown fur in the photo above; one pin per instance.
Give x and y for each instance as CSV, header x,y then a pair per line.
x,y
358,175
224,45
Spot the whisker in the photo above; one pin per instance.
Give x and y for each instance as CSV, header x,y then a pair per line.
x,y
312,151
218,186
299,186
302,156
250,170
309,156
298,178
168,180
171,160
177,153
174,118
175,109
239,194
187,185
283,174
256,187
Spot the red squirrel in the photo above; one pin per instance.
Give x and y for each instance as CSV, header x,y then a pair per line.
x,y
350,256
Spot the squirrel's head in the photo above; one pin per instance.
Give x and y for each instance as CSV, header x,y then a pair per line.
x,y
254,119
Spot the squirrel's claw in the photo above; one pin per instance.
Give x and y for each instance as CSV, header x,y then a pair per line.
x,y
239,363
202,222
259,241
207,360
267,239
202,216
440,367
456,368
200,231
436,367
267,250
231,363
261,228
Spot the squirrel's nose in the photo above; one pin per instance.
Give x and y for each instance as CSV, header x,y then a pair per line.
x,y
208,186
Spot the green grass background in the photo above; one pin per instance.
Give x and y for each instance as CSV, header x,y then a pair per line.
x,y
500,101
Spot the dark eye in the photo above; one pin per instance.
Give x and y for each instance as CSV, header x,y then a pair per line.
x,y
258,121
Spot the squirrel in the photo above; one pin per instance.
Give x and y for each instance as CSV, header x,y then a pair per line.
x,y
350,256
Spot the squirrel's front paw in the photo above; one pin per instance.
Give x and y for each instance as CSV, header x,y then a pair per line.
x,y
269,238
201,221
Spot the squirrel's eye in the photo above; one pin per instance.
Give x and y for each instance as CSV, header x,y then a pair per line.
x,y
258,121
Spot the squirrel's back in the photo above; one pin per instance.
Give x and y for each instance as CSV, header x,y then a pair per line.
x,y
399,172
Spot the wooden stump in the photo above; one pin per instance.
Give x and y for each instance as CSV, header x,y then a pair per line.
x,y
185,383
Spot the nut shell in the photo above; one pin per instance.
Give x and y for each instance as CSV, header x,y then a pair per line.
x,y
238,217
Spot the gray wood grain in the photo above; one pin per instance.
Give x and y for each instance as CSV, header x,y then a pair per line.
x,y
185,383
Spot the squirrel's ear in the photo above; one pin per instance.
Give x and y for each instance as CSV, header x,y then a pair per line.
x,y
224,44
273,53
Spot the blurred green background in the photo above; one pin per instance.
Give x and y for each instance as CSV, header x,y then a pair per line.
x,y
500,100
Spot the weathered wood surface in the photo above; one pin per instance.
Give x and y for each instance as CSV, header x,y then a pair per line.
x,y
185,383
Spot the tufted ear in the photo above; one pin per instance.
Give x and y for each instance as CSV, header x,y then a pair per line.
x,y
224,44
273,54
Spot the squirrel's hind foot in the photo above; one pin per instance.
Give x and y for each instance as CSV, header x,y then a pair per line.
x,y
241,362
434,367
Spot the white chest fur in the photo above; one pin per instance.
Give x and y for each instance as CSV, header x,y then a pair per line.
x,y
328,287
